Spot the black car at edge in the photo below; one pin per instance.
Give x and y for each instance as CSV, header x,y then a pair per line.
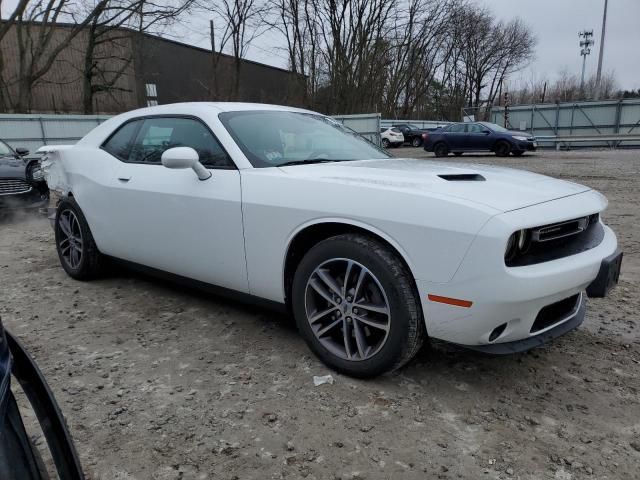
x,y
19,457
412,134
458,138
22,183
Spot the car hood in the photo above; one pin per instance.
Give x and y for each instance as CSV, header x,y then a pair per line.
x,y
500,188
519,134
11,167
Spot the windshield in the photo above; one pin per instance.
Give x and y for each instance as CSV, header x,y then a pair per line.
x,y
494,127
271,138
5,151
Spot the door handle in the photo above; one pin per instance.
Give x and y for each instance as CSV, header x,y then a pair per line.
x,y
124,178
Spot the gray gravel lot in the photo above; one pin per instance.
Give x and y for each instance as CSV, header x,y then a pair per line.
x,y
159,382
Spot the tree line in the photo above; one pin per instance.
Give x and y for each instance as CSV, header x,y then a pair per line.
x,y
402,58
43,29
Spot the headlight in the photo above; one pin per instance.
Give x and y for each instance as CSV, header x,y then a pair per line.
x,y
517,244
518,137
36,173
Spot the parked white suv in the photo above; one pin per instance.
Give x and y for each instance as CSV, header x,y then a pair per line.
x,y
391,137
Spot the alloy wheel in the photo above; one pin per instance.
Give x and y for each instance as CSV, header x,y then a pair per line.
x,y
70,244
347,309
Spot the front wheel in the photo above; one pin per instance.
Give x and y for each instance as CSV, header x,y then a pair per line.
x,y
502,149
385,143
77,251
416,142
355,305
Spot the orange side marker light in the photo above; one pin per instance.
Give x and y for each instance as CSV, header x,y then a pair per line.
x,y
450,301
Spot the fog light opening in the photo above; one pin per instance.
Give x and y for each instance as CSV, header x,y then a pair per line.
x,y
497,332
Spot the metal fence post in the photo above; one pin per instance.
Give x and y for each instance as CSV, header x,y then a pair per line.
x,y
533,112
44,135
618,116
555,129
573,110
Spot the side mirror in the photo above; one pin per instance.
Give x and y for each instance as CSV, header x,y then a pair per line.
x,y
22,151
486,132
184,157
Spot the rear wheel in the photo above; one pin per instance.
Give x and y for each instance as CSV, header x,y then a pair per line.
x,y
385,143
76,248
355,304
441,150
416,142
502,149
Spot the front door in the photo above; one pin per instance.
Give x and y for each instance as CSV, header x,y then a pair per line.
x,y
477,138
171,220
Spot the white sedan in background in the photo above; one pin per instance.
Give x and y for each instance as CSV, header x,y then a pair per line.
x,y
371,254
391,137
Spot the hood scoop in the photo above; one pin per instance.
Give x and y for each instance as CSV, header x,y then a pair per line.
x,y
463,177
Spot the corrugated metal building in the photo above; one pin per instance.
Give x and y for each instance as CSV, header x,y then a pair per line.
x,y
130,70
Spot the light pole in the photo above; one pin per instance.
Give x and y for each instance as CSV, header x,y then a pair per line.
x,y
604,28
585,49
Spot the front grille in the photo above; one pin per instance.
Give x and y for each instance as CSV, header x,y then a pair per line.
x,y
559,240
559,230
13,186
554,313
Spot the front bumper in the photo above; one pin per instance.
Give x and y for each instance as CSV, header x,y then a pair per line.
x,y
37,197
514,296
526,146
564,325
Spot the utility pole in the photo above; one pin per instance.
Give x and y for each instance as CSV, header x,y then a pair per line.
x,y
585,49
604,28
506,109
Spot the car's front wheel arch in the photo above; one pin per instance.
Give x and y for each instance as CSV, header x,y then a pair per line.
x,y
306,237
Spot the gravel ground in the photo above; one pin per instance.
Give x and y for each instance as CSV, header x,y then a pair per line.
x,y
159,382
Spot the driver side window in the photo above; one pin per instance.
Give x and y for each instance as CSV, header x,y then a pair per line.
x,y
457,128
474,128
155,135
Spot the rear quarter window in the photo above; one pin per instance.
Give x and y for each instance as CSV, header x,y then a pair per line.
x,y
119,143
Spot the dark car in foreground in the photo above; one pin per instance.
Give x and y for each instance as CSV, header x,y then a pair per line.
x,y
22,183
459,138
20,459
412,133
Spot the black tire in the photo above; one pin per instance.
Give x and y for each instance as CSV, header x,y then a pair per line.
x,y
502,149
406,332
90,263
416,142
440,150
517,153
385,143
457,154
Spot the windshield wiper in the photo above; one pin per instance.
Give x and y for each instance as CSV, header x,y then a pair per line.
x,y
304,162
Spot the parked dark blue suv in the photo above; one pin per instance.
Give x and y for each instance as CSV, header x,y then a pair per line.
x,y
458,138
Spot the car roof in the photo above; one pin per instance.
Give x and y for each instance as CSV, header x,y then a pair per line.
x,y
208,106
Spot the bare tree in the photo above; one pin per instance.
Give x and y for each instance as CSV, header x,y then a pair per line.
x,y
565,88
39,42
242,22
108,54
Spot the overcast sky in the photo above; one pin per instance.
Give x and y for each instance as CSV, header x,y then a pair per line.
x,y
555,23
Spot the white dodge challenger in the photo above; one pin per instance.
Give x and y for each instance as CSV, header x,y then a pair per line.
x,y
370,254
